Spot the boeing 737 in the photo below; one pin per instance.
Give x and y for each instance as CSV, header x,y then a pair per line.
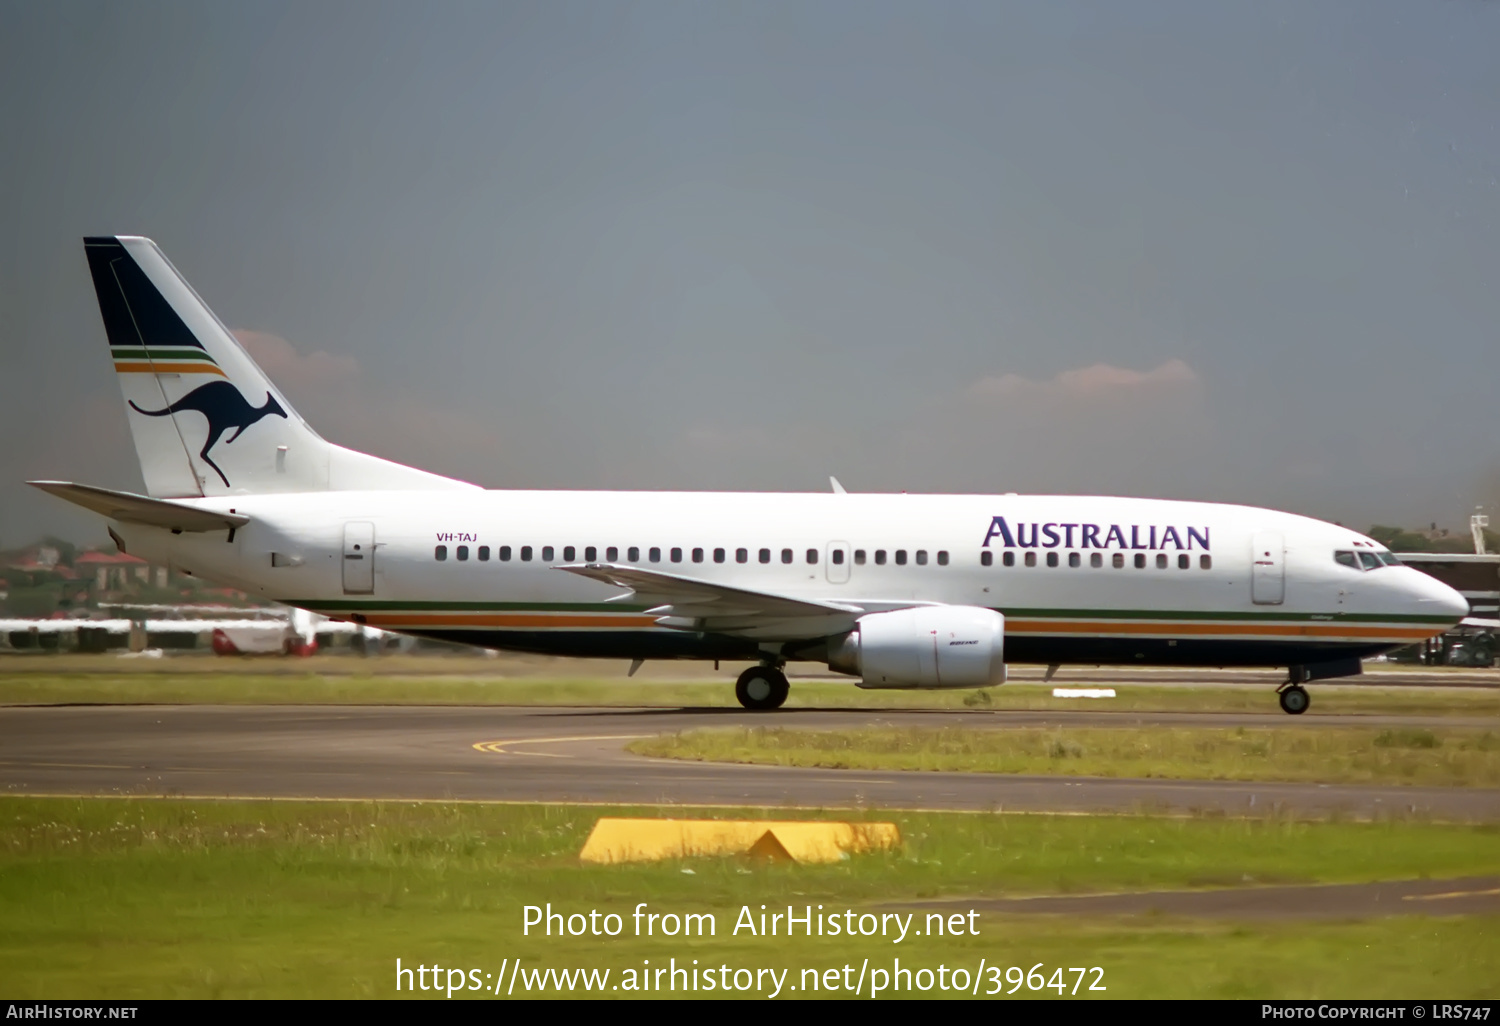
x,y
900,591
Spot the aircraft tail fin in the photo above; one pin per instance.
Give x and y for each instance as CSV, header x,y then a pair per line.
x,y
191,392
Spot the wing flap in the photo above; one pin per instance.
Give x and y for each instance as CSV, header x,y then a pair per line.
x,y
140,509
688,603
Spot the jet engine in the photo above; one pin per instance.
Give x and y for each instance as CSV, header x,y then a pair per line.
x,y
924,647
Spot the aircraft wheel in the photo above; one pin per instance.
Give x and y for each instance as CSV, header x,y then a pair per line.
x,y
761,687
1294,700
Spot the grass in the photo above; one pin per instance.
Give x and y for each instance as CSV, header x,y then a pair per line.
x,y
142,898
60,680
1447,757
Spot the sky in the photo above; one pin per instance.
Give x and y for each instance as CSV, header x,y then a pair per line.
x,y
1241,251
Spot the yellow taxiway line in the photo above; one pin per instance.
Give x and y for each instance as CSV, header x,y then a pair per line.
x,y
498,747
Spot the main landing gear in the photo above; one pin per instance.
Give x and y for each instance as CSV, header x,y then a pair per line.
x,y
762,687
1294,698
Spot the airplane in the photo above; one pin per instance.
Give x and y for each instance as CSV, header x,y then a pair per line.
x,y
897,590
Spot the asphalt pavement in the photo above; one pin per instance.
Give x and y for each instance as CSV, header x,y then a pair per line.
x,y
578,755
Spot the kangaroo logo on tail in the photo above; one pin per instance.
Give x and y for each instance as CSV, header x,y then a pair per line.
x,y
224,407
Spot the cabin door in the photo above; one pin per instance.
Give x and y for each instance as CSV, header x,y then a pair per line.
x,y
359,558
836,562
1268,568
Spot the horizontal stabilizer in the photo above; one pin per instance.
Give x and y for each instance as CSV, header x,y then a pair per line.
x,y
138,509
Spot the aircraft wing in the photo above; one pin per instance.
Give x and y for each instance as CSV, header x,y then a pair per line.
x,y
687,603
140,509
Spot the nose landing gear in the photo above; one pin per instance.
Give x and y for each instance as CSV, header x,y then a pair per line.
x,y
1294,698
762,687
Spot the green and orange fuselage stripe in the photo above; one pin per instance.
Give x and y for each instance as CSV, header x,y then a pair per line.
x,y
1393,628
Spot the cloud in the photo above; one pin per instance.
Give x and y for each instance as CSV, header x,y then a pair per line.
x,y
400,424
1096,428
1096,381
289,368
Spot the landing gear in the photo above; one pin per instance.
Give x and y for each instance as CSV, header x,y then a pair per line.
x,y
1294,699
761,687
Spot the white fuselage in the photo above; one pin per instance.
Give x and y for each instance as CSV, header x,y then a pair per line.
x,y
1113,580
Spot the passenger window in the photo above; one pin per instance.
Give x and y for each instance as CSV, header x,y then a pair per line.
x,y
838,557
484,553
654,555
900,557
1010,558
812,556
1074,559
742,555
859,557
1369,559
880,557
1205,562
633,554
463,553
1183,562
1140,561
697,555
1346,559
1051,559
765,555
786,555
1096,559
1161,561
718,555
505,553
942,557
676,555
921,557
526,553
1031,559
569,553
440,553
611,554
546,553
590,554
986,558
1118,560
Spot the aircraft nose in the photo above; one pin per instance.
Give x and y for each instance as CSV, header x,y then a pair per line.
x,y
1434,598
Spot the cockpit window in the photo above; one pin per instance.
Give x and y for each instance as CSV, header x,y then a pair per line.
x,y
1388,557
1369,560
1346,559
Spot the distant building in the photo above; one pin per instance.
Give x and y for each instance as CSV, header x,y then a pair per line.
x,y
114,570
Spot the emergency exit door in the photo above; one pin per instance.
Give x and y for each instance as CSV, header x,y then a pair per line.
x,y
1267,568
836,562
359,558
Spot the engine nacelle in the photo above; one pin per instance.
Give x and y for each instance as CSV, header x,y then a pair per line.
x,y
924,647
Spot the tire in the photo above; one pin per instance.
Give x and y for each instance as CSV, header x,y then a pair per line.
x,y
1294,700
761,687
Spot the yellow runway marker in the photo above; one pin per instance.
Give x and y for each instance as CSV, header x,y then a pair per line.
x,y
616,840
498,747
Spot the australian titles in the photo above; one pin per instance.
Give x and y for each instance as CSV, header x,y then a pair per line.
x,y
1094,536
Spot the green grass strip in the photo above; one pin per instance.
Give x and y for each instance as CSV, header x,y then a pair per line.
x,y
1446,757
121,898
